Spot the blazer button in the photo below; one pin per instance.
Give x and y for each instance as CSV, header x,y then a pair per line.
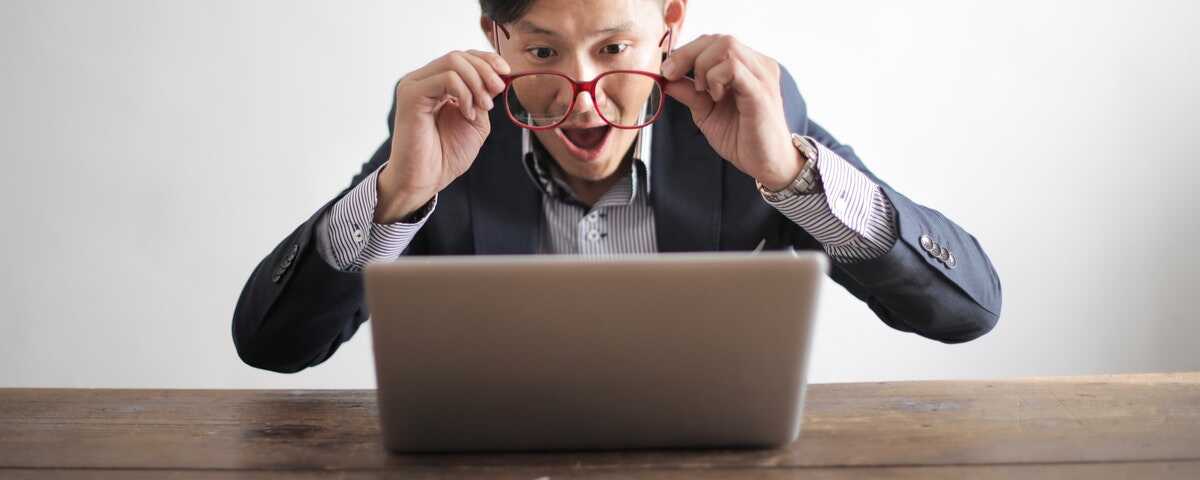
x,y
927,243
944,255
278,276
951,262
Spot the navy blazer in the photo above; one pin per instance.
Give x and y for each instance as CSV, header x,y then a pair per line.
x,y
295,310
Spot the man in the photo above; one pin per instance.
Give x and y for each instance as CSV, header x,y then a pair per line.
x,y
567,141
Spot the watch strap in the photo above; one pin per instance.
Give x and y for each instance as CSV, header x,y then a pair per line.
x,y
807,181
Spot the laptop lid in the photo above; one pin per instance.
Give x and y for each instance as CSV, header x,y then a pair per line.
x,y
565,352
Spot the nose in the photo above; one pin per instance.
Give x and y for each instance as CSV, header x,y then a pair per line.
x,y
585,103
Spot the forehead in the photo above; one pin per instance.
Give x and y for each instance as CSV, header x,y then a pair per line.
x,y
577,19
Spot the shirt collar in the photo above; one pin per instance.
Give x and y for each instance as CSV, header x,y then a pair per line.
x,y
536,161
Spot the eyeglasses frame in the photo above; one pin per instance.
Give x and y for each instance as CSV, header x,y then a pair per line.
x,y
578,86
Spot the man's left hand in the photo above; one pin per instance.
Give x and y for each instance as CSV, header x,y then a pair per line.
x,y
736,102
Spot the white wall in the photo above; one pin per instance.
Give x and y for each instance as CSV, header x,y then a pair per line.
x,y
153,151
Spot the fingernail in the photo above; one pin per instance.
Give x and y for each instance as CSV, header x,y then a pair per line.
x,y
667,66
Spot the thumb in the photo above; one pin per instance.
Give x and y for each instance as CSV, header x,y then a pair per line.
x,y
683,90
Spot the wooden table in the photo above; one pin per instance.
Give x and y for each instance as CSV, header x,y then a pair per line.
x,y
1124,426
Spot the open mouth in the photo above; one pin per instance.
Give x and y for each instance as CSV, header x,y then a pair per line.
x,y
585,143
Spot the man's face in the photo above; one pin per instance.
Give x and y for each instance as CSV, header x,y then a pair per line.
x,y
583,39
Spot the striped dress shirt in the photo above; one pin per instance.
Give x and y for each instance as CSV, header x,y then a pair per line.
x,y
851,217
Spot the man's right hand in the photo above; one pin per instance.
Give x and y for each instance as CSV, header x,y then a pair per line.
x,y
432,145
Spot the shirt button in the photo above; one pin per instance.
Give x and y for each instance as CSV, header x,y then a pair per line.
x,y
593,236
357,235
839,205
593,217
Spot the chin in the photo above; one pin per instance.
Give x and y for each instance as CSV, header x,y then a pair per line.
x,y
594,170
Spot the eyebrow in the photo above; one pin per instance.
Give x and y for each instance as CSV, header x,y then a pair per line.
x,y
525,26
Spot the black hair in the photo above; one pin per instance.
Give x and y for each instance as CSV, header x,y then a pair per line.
x,y
506,11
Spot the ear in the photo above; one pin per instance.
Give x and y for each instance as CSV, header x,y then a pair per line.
x,y
674,11
487,26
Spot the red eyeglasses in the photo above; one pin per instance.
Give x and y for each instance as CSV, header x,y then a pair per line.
x,y
542,100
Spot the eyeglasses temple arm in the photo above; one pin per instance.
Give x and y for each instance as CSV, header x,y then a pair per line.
x,y
667,39
496,29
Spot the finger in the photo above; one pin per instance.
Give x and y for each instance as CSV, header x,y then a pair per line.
x,y
492,82
467,70
718,79
494,59
706,60
433,68
733,76
448,83
430,69
756,63
683,59
698,102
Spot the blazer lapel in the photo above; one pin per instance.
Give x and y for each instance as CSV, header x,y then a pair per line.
x,y
686,184
505,206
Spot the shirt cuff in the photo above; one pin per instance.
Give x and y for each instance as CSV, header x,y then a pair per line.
x,y
852,218
348,237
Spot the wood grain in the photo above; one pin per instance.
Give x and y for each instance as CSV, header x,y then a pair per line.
x,y
1138,470
1142,425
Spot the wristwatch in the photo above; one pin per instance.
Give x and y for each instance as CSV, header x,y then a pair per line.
x,y
806,182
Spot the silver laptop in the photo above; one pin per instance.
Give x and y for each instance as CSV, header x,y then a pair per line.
x,y
508,353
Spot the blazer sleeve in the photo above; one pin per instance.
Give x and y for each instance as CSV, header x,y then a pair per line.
x,y
296,309
909,288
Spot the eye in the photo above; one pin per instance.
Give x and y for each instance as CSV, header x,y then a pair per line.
x,y
614,48
541,53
